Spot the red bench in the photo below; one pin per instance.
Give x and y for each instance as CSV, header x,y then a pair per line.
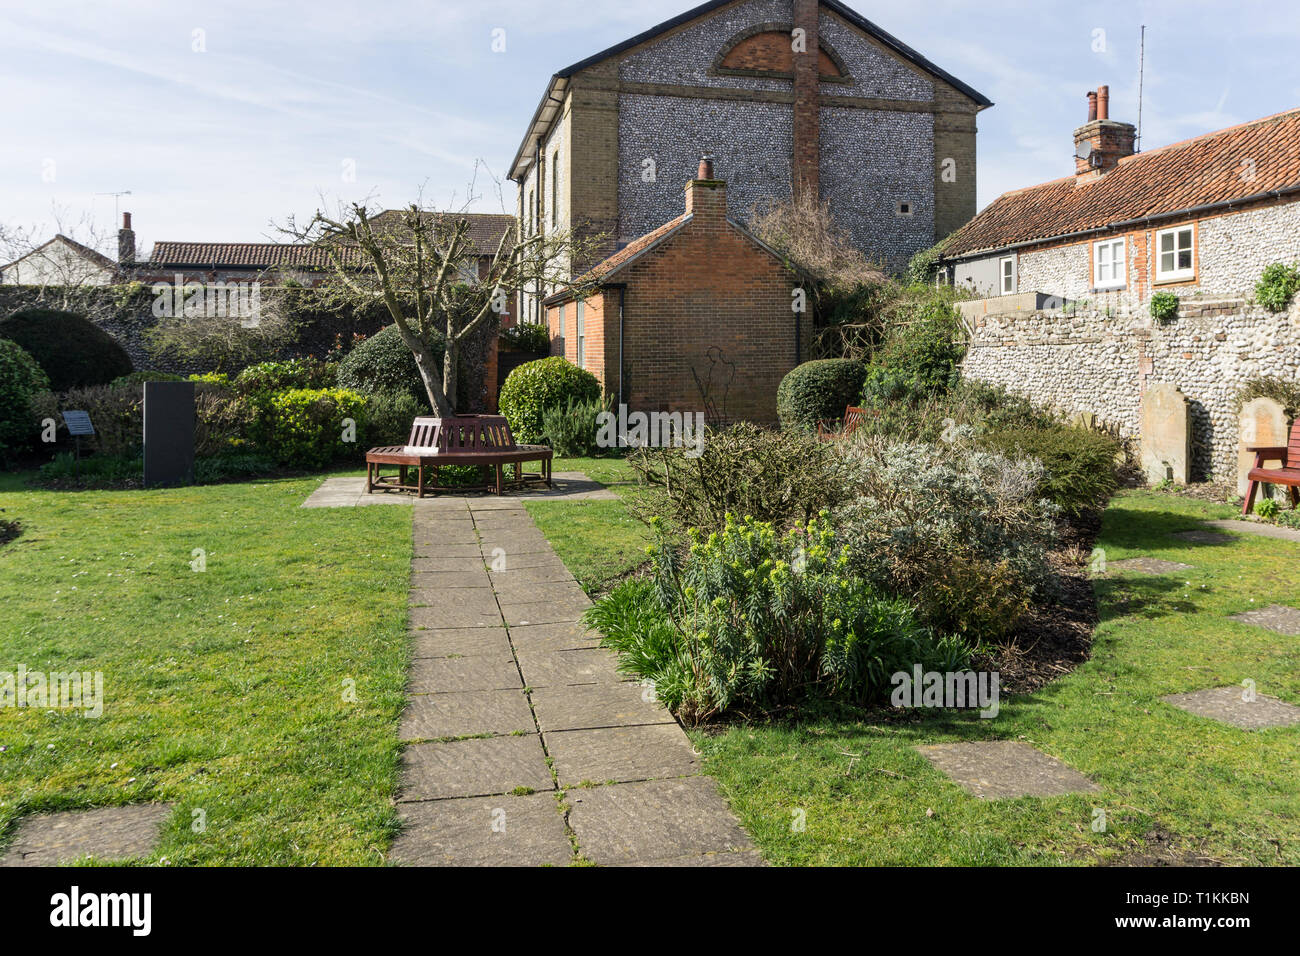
x,y
482,441
1288,475
831,431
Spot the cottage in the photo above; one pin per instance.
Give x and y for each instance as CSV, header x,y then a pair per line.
x,y
60,262
1198,218
695,316
788,94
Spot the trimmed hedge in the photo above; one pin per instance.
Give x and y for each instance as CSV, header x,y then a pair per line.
x,y
269,377
73,351
527,337
534,387
20,379
818,391
307,426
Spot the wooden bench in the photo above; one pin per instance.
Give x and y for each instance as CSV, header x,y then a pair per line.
x,y
1288,475
832,431
481,441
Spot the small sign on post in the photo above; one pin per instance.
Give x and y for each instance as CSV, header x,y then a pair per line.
x,y
78,424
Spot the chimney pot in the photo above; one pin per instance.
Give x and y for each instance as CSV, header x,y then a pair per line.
x,y
1103,102
126,220
706,167
1092,107
126,242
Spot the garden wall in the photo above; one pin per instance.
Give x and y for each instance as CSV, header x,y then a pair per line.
x,y
1098,363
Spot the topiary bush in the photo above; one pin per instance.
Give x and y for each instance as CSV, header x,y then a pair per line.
x,y
383,363
308,426
73,351
21,378
818,391
536,386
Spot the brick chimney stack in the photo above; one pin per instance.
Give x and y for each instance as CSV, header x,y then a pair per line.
x,y
706,197
1108,140
126,242
806,164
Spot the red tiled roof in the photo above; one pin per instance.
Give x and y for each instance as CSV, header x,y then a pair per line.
x,y
607,267
485,229
1196,172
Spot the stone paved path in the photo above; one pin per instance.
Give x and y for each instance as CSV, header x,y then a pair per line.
x,y
109,834
351,492
524,744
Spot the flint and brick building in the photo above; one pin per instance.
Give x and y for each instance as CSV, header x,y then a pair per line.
x,y
786,95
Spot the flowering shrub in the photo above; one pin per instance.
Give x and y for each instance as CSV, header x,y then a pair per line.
x,y
749,617
307,426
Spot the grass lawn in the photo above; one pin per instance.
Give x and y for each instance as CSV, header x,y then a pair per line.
x,y
848,787
225,690
598,540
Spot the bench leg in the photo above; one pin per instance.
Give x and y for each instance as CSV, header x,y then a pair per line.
x,y
370,478
420,479
1295,497
1251,492
501,473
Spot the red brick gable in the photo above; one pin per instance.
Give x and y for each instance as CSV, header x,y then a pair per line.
x,y
1242,162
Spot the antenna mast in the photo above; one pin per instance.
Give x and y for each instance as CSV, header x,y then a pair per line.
x,y
1142,70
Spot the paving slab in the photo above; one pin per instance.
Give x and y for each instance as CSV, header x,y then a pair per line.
x,y
1227,705
1259,528
655,820
108,834
534,639
590,706
1004,769
438,716
556,611
479,601
514,545
449,675
474,768
737,858
475,578
538,591
461,642
493,831
450,615
492,503
1277,618
528,568
1202,536
559,668
621,754
456,557
1147,566
448,564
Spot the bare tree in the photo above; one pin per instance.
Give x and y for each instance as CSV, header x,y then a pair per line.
x,y
61,272
427,272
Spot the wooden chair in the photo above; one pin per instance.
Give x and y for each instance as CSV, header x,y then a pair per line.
x,y
482,441
832,431
1287,476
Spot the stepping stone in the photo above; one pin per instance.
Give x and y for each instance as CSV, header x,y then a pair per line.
x,y
1278,618
437,716
1259,528
653,821
472,768
461,642
619,754
545,612
1003,769
590,706
447,675
1225,704
110,834
1204,537
533,640
593,666
493,831
1147,566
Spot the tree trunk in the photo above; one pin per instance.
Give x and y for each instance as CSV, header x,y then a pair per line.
x,y
449,371
436,390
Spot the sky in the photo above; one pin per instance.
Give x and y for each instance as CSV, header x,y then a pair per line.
x,y
225,118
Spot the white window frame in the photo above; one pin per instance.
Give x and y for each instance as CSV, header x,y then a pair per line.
x,y
1007,279
1175,274
580,333
1118,262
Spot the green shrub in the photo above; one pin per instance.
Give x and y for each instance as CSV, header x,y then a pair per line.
x,y
224,422
962,532
139,378
818,391
116,412
925,350
270,377
307,426
536,386
232,467
1164,306
527,337
73,351
383,363
1080,463
220,379
21,378
753,618
1268,509
101,470
574,429
1277,286
389,416
782,477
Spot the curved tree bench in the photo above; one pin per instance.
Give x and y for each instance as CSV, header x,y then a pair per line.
x,y
480,441
1287,476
